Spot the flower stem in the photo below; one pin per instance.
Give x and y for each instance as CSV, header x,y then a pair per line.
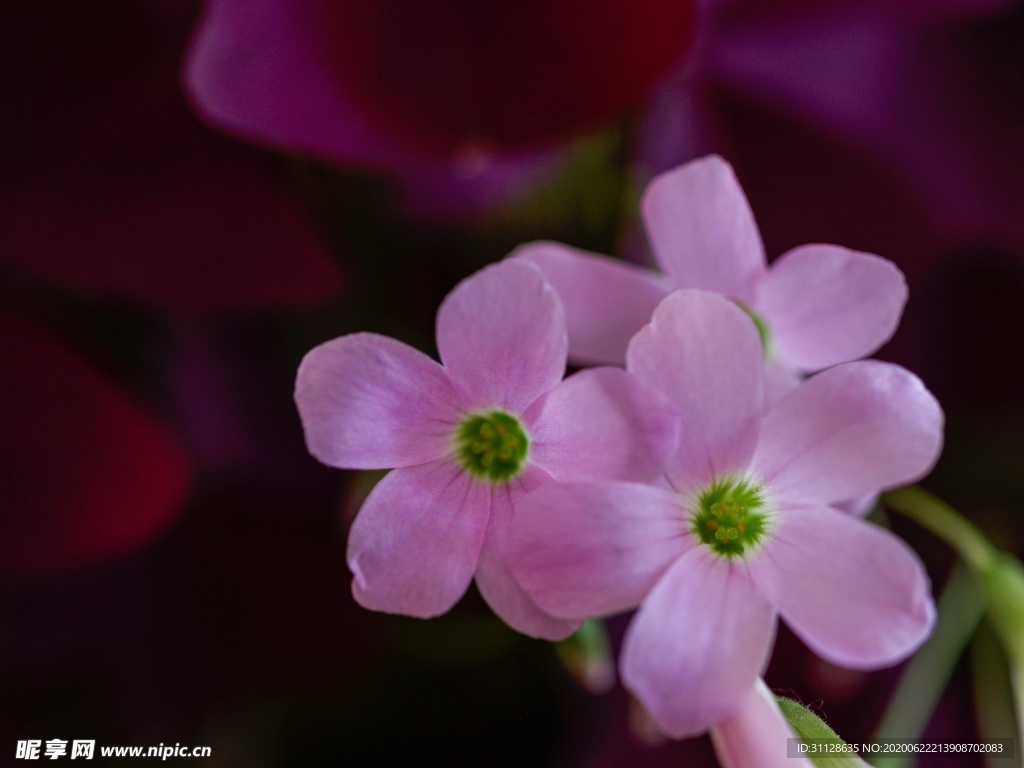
x,y
993,697
942,520
999,575
961,608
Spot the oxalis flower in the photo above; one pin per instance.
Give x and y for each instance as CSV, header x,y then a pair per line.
x,y
816,306
745,531
468,438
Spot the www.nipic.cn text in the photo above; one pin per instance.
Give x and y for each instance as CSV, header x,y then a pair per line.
x,y
81,749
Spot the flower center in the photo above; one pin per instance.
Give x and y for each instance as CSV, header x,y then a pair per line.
x,y
491,445
730,516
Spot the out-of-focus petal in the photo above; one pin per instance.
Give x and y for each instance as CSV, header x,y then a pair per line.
x,y
590,549
857,428
265,71
87,473
826,305
151,206
857,595
371,402
606,301
828,64
895,11
757,735
679,123
702,230
494,577
376,82
602,424
501,335
913,95
704,354
415,543
698,643
268,72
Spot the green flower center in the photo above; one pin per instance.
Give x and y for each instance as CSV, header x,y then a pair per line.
x,y
491,445
730,516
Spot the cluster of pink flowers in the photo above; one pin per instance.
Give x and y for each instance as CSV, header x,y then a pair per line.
x,y
699,484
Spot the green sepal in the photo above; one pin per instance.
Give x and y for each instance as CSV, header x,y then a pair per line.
x,y
811,728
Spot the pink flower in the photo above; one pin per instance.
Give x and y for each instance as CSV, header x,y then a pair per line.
x,y
746,529
757,735
468,439
817,305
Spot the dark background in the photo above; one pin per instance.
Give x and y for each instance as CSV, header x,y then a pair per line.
x,y
172,560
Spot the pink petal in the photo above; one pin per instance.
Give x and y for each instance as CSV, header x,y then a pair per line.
x,y
705,355
858,506
779,380
606,300
826,305
757,735
702,230
857,428
602,424
501,334
590,549
415,543
371,402
856,594
697,644
493,575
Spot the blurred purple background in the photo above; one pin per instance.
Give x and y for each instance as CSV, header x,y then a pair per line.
x,y
193,196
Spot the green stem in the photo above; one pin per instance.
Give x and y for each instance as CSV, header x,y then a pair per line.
x,y
1017,687
999,575
961,608
942,520
993,699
